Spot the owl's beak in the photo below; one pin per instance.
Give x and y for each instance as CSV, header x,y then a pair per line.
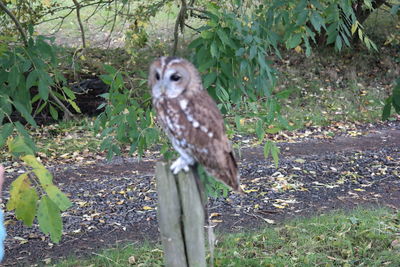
x,y
163,88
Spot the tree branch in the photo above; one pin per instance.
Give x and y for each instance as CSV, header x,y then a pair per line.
x,y
16,22
78,15
180,21
67,114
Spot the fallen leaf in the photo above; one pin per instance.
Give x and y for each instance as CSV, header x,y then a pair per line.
x,y
214,214
299,160
132,260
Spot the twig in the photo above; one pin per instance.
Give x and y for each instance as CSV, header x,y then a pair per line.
x,y
108,39
199,16
190,27
16,22
196,9
78,15
93,13
180,21
67,114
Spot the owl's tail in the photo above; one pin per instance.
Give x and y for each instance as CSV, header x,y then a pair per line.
x,y
229,175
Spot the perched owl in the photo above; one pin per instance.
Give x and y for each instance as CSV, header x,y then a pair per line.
x,y
191,119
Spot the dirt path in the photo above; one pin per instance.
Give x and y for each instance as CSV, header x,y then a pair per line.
x,y
115,202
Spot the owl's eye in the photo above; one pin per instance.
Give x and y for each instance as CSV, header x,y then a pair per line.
x,y
157,76
175,77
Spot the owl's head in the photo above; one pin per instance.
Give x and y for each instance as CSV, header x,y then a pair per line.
x,y
171,76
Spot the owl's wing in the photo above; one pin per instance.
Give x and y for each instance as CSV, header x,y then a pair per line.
x,y
205,136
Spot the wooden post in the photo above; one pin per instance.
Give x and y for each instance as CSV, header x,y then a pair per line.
x,y
180,218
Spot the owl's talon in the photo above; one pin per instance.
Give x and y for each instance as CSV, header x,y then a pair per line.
x,y
178,165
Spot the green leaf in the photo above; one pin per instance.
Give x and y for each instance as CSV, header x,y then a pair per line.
x,y
273,130
18,146
49,219
209,79
24,113
43,89
396,96
5,131
260,130
77,109
44,176
53,112
31,80
267,148
24,133
32,162
275,154
69,93
207,34
317,21
387,108
237,122
302,17
253,52
14,77
293,41
338,43
58,197
225,39
195,43
214,49
284,94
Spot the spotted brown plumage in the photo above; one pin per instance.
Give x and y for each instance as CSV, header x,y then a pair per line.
x,y
191,120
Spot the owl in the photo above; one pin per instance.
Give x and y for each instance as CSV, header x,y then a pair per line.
x,y
191,120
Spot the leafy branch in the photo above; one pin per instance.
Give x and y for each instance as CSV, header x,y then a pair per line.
x,y
16,22
24,196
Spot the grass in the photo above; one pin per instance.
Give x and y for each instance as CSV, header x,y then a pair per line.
x,y
362,237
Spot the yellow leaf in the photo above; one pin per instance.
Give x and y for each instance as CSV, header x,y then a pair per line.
x,y
250,190
147,208
359,189
216,221
81,203
269,221
354,28
278,206
215,214
256,206
298,49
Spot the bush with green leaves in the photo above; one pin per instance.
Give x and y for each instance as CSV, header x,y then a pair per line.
x,y
392,101
125,120
31,81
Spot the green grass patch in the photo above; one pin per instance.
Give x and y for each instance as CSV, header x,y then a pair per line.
x,y
363,237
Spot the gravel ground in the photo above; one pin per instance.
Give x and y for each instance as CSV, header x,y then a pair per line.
x,y
116,202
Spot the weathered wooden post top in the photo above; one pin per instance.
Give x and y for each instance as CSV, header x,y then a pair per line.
x,y
180,217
